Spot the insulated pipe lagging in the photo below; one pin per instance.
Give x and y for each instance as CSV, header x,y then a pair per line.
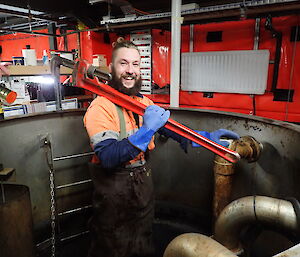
x,y
244,211
196,245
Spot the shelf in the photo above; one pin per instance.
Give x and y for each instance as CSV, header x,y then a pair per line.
x,y
21,70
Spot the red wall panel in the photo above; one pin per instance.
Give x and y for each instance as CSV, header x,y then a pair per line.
x,y
239,35
161,57
13,44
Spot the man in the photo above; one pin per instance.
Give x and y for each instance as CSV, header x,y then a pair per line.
x,y
121,225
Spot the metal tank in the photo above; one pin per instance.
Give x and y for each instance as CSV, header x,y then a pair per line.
x,y
16,234
54,147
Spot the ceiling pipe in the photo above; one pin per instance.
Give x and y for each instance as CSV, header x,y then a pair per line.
x,y
196,245
32,16
175,52
252,209
252,12
29,32
191,18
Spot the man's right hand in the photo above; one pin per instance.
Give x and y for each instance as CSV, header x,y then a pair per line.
x,y
155,117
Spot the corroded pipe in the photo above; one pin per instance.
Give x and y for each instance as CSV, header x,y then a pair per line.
x,y
248,148
196,245
244,211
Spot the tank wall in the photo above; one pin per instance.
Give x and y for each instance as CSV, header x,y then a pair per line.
x,y
180,179
22,148
188,178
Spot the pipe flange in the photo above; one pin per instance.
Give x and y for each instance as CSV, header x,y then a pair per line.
x,y
255,146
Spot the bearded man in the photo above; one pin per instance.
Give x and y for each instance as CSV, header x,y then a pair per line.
x,y
123,202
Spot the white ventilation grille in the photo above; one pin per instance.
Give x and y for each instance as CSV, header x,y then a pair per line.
x,y
243,72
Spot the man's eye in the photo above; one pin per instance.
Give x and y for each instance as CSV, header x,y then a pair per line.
x,y
136,64
123,63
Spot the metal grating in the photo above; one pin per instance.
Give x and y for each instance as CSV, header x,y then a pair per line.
x,y
243,72
143,41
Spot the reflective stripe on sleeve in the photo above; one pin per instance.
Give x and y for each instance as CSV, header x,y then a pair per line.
x,y
108,134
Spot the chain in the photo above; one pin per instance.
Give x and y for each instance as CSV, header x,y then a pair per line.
x,y
48,151
52,199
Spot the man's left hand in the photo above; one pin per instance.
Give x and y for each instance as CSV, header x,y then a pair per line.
x,y
217,136
3,68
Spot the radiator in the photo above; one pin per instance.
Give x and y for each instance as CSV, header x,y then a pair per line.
x,y
243,72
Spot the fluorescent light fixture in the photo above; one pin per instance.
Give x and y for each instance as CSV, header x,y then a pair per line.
x,y
46,80
18,9
97,1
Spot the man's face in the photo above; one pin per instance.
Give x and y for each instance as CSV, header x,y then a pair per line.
x,y
125,71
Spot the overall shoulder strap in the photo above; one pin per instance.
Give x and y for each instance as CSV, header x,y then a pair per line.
x,y
122,122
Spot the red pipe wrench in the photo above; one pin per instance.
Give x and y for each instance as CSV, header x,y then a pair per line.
x,y
85,77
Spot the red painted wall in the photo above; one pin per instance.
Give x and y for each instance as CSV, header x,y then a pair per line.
x,y
13,44
237,35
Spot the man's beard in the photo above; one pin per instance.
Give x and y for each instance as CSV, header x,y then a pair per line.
x,y
117,84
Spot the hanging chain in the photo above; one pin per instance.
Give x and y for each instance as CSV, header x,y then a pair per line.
x,y
48,152
52,199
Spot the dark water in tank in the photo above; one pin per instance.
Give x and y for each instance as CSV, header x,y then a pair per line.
x,y
170,221
163,233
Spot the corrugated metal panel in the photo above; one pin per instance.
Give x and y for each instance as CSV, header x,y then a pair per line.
x,y
243,72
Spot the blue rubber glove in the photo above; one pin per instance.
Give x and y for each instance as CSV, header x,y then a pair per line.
x,y
216,136
154,118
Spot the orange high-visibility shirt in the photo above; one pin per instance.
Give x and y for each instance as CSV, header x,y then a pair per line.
x,y
102,122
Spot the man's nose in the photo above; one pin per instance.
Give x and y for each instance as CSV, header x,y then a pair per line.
x,y
129,68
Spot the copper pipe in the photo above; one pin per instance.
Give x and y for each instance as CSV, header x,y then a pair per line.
x,y
248,148
244,211
196,245
223,177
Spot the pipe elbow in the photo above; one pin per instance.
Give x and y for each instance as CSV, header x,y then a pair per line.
x,y
196,245
244,211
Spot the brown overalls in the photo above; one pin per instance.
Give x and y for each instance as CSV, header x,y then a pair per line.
x,y
121,225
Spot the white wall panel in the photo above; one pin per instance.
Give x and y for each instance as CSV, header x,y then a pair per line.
x,y
243,72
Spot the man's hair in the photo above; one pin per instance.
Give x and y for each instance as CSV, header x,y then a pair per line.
x,y
121,42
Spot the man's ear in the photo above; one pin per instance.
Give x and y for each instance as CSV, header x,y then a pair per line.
x,y
110,67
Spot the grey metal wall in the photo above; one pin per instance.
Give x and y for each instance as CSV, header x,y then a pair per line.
x,y
22,148
180,179
187,179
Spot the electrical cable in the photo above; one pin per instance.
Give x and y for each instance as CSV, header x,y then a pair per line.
x,y
291,73
141,12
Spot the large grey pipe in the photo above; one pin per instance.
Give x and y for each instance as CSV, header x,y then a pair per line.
x,y
275,212
196,245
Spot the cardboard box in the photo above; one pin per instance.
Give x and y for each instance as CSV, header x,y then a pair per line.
x,y
99,60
